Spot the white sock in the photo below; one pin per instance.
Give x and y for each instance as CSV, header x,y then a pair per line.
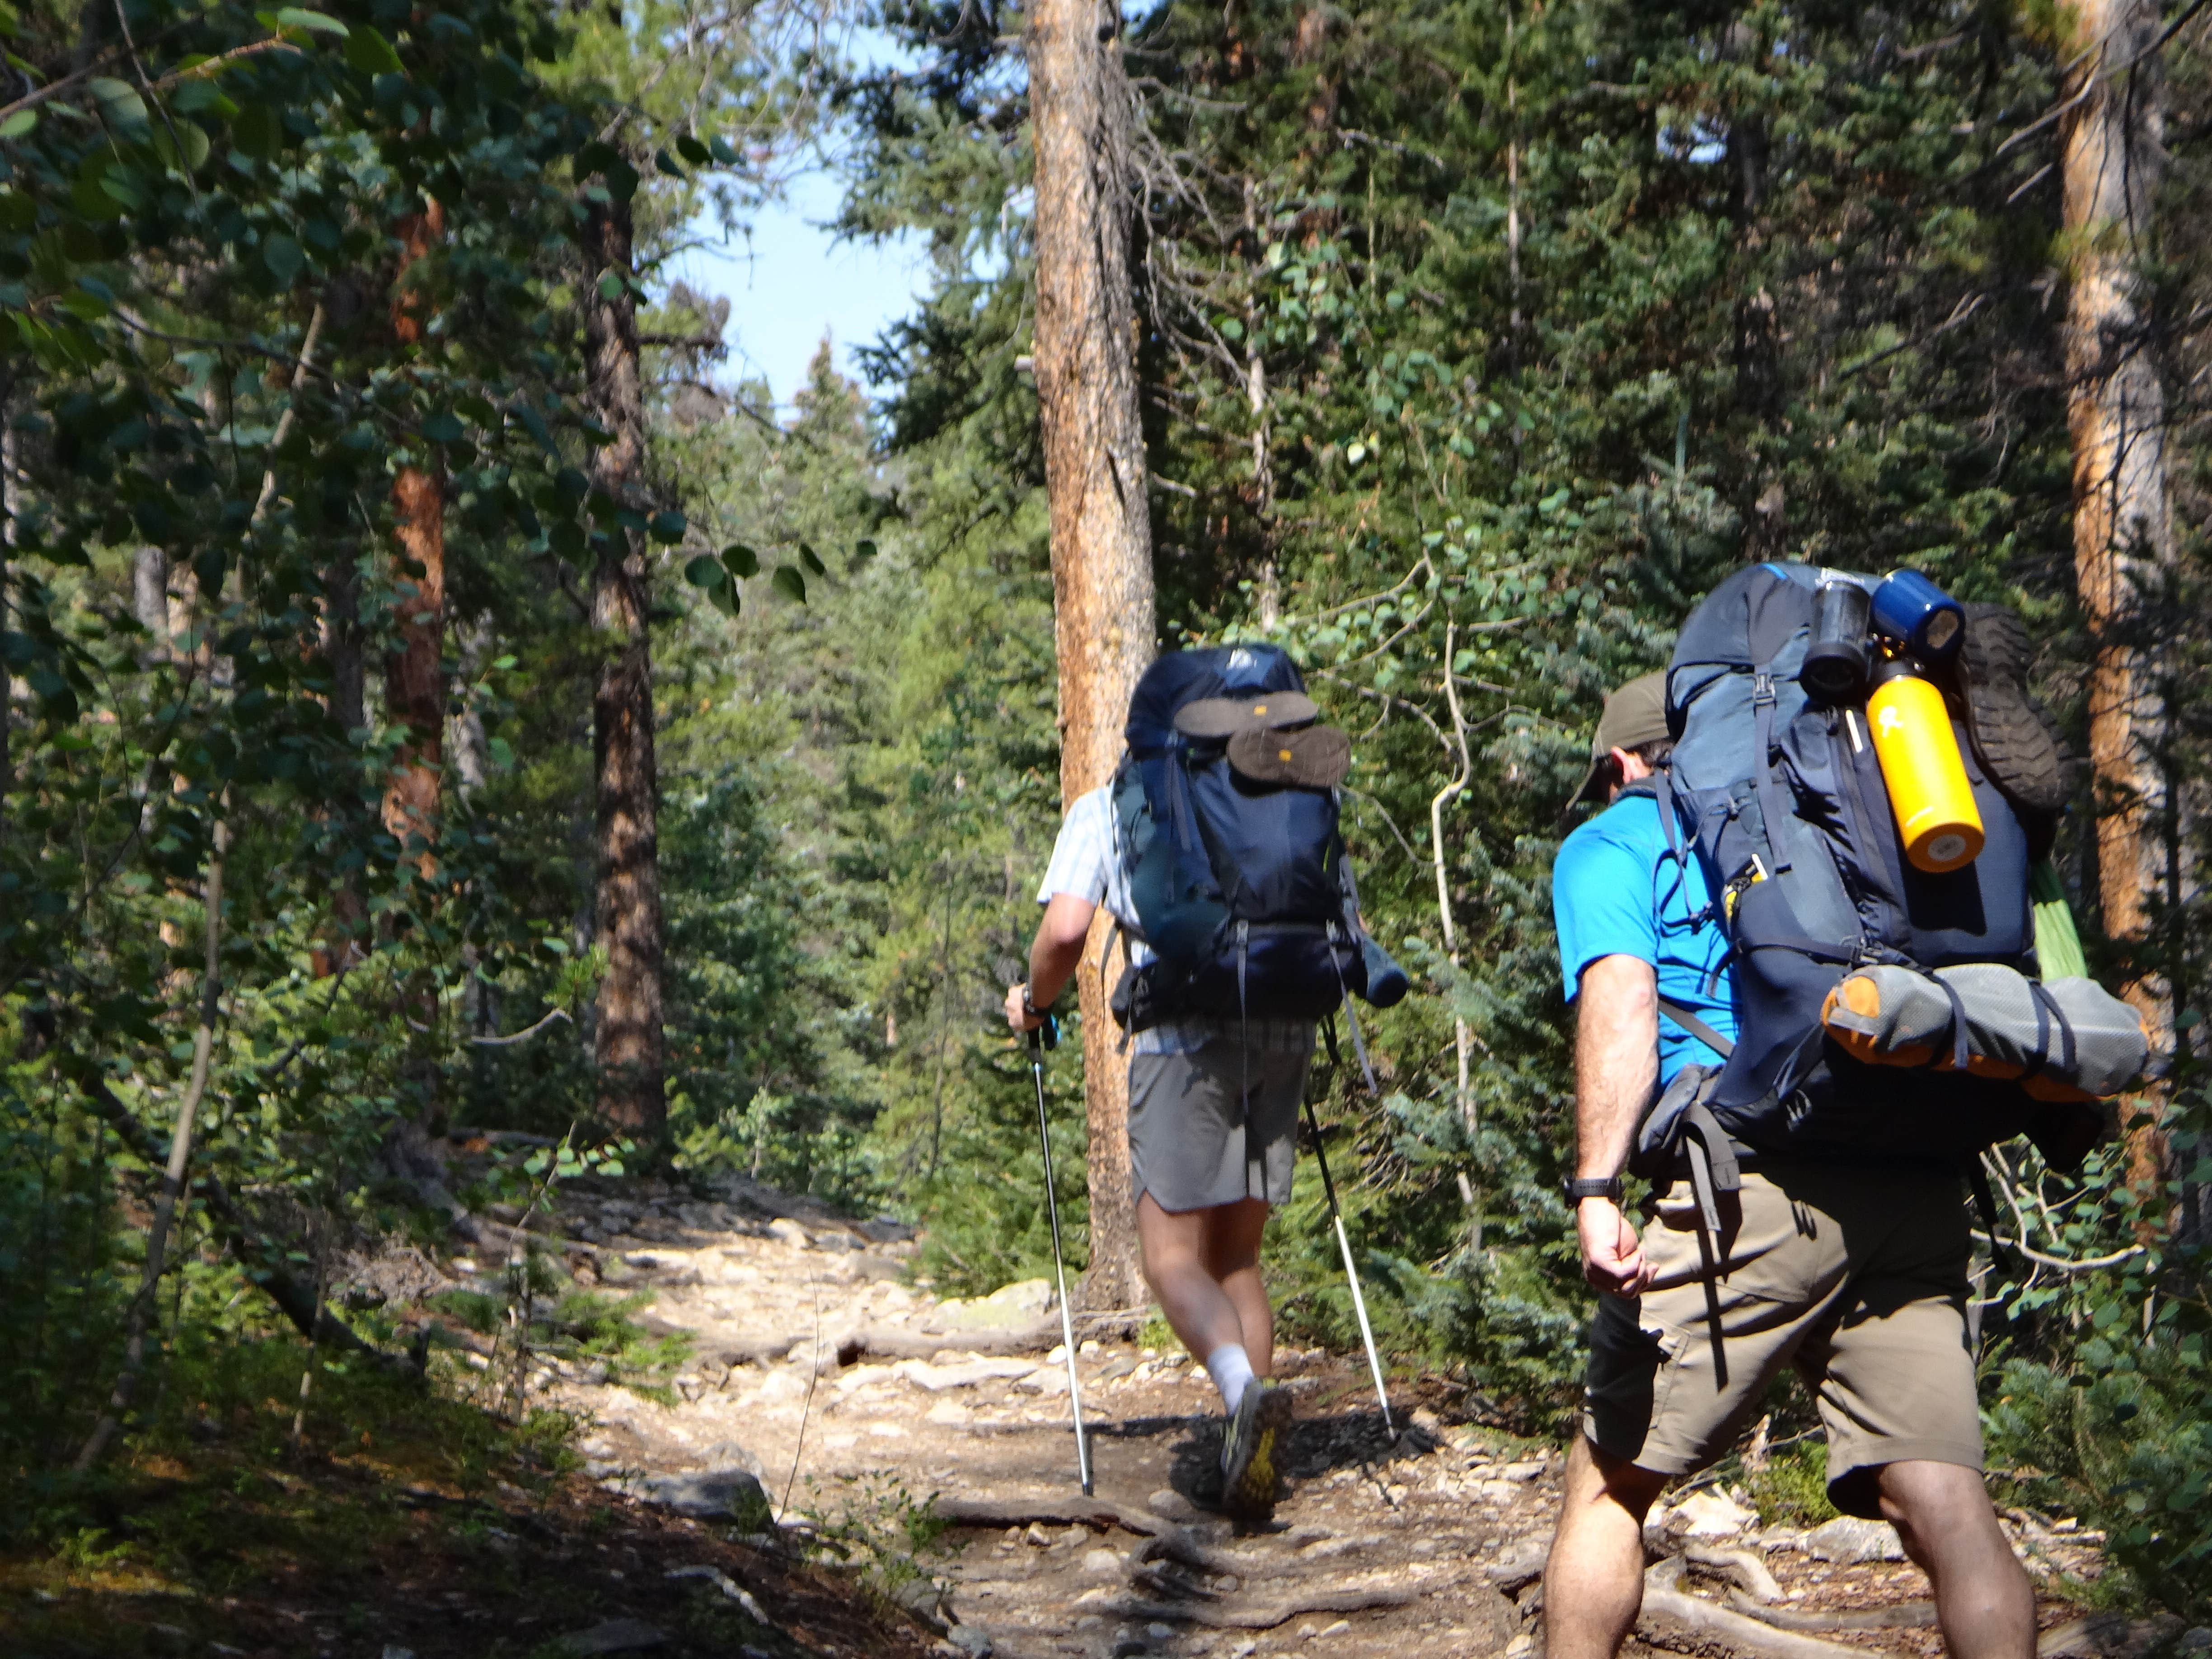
x,y
1231,1368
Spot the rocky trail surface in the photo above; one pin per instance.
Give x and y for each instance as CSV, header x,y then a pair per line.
x,y
825,1389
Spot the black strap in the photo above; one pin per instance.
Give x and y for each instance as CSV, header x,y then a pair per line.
x,y
1351,1018
2047,1011
1697,1028
1244,1022
1986,1203
1663,791
1770,797
1818,950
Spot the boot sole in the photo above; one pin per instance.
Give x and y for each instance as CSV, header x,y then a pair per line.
x,y
1251,1496
2010,739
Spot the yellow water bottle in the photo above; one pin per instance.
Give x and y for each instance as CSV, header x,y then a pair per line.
x,y
1934,804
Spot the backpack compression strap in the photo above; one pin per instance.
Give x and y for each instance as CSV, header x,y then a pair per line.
x,y
1770,796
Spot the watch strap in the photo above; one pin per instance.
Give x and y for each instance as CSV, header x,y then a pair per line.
x,y
1578,1187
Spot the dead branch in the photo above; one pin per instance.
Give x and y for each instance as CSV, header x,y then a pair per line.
x,y
257,1255
173,1173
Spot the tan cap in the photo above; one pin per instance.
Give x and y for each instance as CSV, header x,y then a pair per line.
x,y
1635,715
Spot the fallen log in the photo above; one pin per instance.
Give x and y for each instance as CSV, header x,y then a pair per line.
x,y
1671,1616
1901,1615
1233,1613
881,1342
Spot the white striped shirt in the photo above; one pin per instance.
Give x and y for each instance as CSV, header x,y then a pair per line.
x,y
1086,865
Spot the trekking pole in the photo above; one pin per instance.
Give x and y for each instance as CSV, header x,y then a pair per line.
x,y
1350,1273
1058,1265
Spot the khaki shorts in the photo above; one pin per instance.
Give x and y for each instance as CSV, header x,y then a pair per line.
x,y
1857,1276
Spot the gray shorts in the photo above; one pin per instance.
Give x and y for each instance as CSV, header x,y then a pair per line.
x,y
1192,1143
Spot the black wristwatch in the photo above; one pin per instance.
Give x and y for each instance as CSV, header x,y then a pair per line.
x,y
1578,1187
1028,1007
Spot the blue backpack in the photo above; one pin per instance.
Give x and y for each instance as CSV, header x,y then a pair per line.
x,y
1783,801
1240,887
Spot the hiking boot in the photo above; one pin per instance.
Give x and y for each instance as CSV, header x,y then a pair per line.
x,y
1249,1449
2012,738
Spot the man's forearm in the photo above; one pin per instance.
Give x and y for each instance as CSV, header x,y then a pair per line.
x,y
1052,964
1616,1061
1058,947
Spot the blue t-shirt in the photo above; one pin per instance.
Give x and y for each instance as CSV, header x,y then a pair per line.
x,y
1617,892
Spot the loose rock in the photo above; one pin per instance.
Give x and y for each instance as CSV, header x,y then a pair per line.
x,y
1848,1540
614,1636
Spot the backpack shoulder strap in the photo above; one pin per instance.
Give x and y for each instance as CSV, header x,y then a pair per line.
x,y
1697,1028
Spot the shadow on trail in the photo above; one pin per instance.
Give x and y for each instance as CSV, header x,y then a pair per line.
x,y
1315,1446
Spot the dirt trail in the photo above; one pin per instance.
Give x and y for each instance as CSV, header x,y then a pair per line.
x,y
812,1360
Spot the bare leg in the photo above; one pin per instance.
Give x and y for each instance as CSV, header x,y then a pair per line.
x,y
1593,1581
1232,1260
1983,1597
1177,1265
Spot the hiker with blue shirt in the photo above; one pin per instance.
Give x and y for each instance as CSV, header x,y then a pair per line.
x,y
1853,1269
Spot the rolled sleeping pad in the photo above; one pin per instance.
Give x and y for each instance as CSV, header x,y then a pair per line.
x,y
2095,1043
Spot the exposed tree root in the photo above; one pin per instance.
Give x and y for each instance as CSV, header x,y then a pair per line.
x,y
1670,1617
1233,1613
1163,1537
1902,1615
1742,1568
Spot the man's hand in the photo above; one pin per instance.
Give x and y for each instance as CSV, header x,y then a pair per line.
x,y
1018,1015
1613,1256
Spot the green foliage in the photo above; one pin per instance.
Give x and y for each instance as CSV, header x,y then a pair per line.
x,y
874,1526
1792,1490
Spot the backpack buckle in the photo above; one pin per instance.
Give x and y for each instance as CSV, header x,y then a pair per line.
x,y
1762,690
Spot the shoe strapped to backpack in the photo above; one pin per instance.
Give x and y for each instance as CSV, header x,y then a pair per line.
x,y
1226,821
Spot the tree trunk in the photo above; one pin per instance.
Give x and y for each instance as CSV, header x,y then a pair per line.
x,y
633,1048
2113,158
415,678
8,501
1095,476
341,650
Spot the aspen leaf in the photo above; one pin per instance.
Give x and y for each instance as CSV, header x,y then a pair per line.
x,y
299,17
284,256
371,53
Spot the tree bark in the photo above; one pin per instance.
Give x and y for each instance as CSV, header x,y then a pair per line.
x,y
414,678
633,1047
8,501
1096,477
2113,158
